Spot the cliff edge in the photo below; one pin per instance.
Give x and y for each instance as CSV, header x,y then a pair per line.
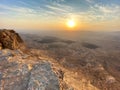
x,y
10,39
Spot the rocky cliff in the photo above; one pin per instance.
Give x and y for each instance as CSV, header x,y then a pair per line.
x,y
10,39
19,71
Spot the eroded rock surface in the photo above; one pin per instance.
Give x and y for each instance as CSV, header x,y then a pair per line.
x,y
10,39
19,71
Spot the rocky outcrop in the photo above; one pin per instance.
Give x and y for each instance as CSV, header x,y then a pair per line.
x,y
22,71
10,39
19,71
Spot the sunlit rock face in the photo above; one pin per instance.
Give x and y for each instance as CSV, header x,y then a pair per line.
x,y
19,72
0,46
10,39
23,71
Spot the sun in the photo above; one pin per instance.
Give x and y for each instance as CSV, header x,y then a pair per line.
x,y
71,23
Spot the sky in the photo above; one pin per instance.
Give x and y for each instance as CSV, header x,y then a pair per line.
x,y
53,14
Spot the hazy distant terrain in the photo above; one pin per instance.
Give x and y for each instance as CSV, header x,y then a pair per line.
x,y
92,55
106,40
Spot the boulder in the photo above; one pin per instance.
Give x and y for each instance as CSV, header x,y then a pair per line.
x,y
10,39
30,73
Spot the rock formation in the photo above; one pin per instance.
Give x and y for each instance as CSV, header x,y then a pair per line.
x,y
19,71
10,39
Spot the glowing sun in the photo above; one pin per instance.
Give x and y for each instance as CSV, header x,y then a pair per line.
x,y
71,23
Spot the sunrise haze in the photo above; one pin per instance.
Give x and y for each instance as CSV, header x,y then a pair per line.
x,y
54,14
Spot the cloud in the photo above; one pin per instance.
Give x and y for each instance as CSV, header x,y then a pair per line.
x,y
55,1
98,13
111,9
95,12
22,2
90,1
42,10
17,9
58,9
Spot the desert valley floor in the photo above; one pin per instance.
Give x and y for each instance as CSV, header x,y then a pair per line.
x,y
89,60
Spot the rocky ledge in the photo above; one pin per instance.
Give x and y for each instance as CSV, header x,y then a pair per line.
x,y
19,71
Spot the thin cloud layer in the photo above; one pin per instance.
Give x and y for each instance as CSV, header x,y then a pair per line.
x,y
83,11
